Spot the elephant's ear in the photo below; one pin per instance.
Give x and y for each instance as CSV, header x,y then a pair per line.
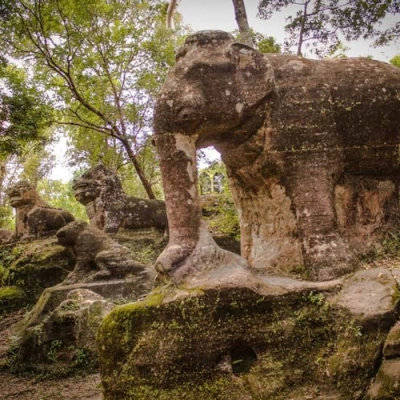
x,y
256,74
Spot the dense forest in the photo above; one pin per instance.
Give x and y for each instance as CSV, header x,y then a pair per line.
x,y
89,72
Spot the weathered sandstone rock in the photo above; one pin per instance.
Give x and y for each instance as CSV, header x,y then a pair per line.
x,y
98,257
283,339
311,149
109,208
34,217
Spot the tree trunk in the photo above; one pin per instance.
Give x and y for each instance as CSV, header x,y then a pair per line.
x,y
243,23
146,184
3,171
301,34
170,13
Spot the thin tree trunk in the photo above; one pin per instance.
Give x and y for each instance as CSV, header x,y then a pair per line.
x,y
301,34
3,171
146,184
243,23
170,13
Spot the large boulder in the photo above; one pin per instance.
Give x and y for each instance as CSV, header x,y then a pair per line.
x,y
27,268
65,338
284,339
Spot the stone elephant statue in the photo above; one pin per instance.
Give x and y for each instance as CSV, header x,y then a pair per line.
x,y
312,150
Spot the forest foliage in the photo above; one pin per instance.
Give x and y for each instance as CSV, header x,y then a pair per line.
x,y
101,62
90,71
320,26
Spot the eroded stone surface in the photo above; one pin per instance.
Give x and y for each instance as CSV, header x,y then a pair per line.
x,y
208,265
98,257
34,217
31,267
5,236
369,294
279,340
387,382
65,336
109,208
391,348
63,324
311,149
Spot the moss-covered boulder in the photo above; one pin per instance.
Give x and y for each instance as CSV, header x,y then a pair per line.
x,y
27,268
65,338
64,321
12,298
31,267
272,342
387,383
391,349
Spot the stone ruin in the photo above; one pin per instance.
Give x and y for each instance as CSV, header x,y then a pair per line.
x,y
34,217
311,150
71,312
109,208
98,257
312,155
105,273
134,219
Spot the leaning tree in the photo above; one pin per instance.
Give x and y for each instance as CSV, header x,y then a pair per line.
x,y
103,62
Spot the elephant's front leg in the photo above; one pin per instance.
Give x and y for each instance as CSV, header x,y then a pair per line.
x,y
191,256
177,154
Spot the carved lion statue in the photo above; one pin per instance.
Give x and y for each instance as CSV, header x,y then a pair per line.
x,y
98,257
109,208
34,217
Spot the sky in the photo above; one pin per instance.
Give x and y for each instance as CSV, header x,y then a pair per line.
x,y
219,14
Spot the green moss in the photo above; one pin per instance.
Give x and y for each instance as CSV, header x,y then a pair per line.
x,y
2,272
11,293
11,298
161,348
9,253
35,266
396,295
221,388
145,246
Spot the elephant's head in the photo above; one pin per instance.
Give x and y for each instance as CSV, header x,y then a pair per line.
x,y
215,85
215,90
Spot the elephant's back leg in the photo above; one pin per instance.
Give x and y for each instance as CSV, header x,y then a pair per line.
x,y
305,142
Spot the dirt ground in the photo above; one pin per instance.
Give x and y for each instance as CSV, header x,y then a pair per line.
x,y
13,387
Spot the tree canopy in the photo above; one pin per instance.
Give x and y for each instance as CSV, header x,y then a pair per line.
x,y
261,42
102,60
25,113
396,61
319,25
